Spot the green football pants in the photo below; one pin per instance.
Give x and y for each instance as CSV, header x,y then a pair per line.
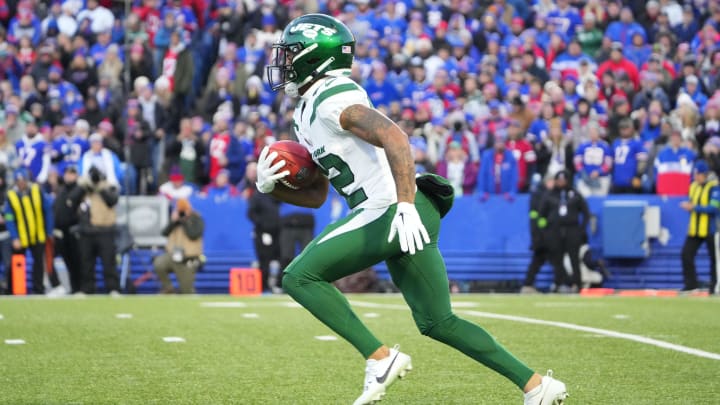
x,y
360,241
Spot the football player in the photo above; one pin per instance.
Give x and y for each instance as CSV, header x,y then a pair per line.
x,y
367,159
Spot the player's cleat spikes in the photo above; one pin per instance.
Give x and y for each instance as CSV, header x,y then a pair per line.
x,y
380,374
549,392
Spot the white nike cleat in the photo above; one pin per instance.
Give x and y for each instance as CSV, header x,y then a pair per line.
x,y
380,374
549,392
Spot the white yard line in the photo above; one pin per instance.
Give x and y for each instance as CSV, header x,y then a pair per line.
x,y
565,325
250,315
223,304
173,339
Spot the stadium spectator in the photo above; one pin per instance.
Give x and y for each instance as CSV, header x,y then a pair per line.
x,y
220,93
498,172
80,74
458,169
237,71
624,30
460,133
176,187
69,146
67,244
629,160
619,63
703,202
101,19
110,64
8,152
589,35
687,115
593,162
224,149
32,151
711,153
710,123
381,91
137,133
418,147
186,152
579,123
523,153
141,63
177,68
28,217
103,159
673,166
565,18
650,90
555,151
95,201
220,189
688,71
184,250
686,30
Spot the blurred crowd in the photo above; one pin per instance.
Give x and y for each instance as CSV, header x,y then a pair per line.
x,y
496,95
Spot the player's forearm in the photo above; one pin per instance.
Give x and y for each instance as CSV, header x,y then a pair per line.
x,y
312,196
402,167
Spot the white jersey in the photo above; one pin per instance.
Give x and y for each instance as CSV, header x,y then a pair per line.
x,y
359,171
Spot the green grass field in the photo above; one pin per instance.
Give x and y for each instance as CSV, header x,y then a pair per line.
x,y
78,351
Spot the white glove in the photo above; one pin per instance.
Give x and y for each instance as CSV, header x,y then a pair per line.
x,y
267,174
409,228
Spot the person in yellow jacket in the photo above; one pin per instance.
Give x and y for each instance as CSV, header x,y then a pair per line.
x,y
704,208
28,216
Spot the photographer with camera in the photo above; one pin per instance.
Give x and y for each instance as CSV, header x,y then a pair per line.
x,y
94,200
184,250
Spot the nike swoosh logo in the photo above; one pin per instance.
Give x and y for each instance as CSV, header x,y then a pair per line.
x,y
383,377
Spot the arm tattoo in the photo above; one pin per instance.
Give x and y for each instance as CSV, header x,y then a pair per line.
x,y
375,128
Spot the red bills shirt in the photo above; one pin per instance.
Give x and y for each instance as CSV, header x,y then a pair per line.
x,y
525,156
151,18
169,65
219,145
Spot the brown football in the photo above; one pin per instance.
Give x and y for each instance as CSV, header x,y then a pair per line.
x,y
297,161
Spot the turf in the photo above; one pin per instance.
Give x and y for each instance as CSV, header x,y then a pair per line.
x,y
78,352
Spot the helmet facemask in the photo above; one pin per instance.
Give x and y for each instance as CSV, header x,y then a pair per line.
x,y
281,72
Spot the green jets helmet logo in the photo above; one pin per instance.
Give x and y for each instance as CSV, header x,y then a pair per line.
x,y
309,30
